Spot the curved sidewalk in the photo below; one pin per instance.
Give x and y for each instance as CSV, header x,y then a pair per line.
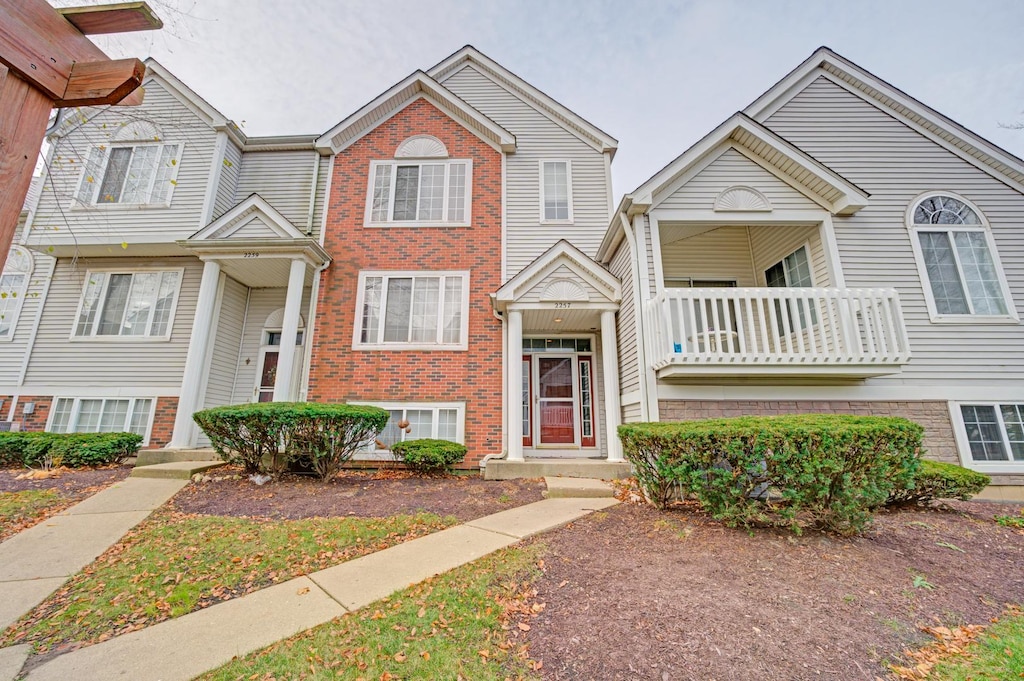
x,y
180,649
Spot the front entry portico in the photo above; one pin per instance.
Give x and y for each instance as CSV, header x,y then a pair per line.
x,y
561,358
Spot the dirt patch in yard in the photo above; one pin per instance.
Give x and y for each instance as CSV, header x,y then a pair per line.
x,y
355,493
634,593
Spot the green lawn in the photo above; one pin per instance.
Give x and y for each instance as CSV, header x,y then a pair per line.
x,y
464,624
19,510
997,654
174,563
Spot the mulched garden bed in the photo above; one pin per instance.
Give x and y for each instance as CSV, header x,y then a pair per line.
x,y
634,593
73,483
355,493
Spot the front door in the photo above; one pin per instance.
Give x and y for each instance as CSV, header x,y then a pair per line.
x,y
268,374
555,383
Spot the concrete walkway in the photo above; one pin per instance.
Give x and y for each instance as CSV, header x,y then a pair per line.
x,y
34,563
180,649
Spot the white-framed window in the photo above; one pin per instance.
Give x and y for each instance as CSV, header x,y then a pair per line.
x,y
412,311
991,434
957,260
555,191
420,193
14,280
414,421
102,415
133,174
793,271
128,304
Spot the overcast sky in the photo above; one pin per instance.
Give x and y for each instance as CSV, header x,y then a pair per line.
x,y
655,75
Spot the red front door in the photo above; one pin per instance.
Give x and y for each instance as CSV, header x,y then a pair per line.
x,y
556,411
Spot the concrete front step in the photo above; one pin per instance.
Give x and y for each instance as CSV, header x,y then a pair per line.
x,y
150,457
178,470
577,488
502,469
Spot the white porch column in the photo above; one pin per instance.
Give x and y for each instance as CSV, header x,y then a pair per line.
x,y
289,331
514,399
610,368
195,362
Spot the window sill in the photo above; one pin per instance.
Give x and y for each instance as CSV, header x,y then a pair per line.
x,y
120,339
973,319
413,347
570,221
75,206
416,223
996,467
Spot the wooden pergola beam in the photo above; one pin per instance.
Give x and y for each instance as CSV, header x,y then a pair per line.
x,y
46,60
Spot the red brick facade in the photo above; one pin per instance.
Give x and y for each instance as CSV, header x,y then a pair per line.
x,y
37,419
939,440
339,373
163,422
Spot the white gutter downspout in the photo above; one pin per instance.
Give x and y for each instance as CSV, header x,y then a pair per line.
x,y
314,290
638,317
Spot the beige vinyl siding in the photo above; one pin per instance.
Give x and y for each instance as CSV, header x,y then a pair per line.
x,y
720,254
621,267
283,178
224,362
14,348
538,137
647,240
58,361
894,164
58,221
729,169
631,413
597,400
262,302
231,167
319,201
772,244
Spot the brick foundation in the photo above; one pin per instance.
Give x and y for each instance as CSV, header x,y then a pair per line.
x,y
340,374
939,440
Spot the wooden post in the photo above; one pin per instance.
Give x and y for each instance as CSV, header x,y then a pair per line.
x,y
46,60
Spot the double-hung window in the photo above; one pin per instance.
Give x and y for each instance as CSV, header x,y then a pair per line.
x,y
98,415
128,304
129,174
793,271
956,258
994,433
555,191
414,421
13,286
412,310
434,192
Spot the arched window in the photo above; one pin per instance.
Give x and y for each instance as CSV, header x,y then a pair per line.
x,y
957,258
13,287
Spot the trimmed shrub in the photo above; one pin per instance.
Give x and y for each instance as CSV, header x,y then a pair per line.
x,y
428,456
264,437
74,450
939,480
817,470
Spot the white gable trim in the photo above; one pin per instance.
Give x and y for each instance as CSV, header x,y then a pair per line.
x,y
401,95
252,207
768,150
562,253
515,85
923,119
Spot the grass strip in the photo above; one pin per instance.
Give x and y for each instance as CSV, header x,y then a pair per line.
x,y
465,624
19,510
997,654
175,563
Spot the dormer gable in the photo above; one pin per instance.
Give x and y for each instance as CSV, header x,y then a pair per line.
x,y
252,218
563,272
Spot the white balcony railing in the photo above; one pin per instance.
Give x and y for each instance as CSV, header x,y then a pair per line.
x,y
827,330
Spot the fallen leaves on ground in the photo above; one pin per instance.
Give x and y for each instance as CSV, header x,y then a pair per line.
x,y
951,643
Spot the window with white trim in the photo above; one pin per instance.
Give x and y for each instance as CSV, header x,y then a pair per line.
x,y
555,191
129,174
995,432
956,257
412,309
102,415
133,304
793,271
420,192
414,421
13,286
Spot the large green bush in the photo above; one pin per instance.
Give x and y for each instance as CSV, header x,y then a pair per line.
x,y
938,480
429,456
814,470
264,437
74,450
